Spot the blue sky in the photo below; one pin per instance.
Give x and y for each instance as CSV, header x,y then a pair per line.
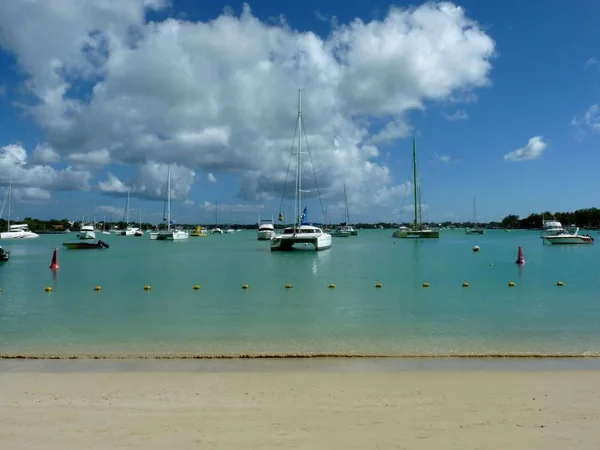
x,y
99,101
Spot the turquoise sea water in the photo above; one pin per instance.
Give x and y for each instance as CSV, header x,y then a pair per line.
x,y
355,318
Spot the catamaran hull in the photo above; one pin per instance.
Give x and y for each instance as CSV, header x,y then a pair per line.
x,y
18,235
291,242
419,234
172,236
564,240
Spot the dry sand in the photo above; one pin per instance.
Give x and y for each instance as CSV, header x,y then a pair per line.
x,y
306,410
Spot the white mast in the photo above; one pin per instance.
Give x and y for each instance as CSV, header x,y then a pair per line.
x,y
298,202
9,200
126,214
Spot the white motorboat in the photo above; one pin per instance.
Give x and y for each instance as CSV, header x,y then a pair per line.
x,y
266,229
87,231
568,236
551,227
301,233
216,231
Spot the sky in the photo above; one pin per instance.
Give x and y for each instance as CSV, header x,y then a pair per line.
x,y
99,98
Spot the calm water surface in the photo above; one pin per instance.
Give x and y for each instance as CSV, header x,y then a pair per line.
x,y
401,318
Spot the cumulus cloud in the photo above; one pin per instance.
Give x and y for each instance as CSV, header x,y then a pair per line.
x,y
590,120
44,154
534,149
15,166
150,182
220,95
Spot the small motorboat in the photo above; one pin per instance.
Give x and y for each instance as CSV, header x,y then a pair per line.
x,y
4,255
86,245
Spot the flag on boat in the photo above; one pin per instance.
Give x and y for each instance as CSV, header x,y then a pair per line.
x,y
172,222
303,216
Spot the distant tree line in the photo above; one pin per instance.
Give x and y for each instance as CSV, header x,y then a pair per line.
x,y
583,218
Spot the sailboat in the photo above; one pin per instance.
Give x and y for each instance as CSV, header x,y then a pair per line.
x,y
216,229
301,233
17,230
129,230
345,229
139,232
418,231
475,229
171,234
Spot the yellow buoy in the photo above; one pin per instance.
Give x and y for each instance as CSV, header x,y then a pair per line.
x,y
560,283
465,284
331,286
378,285
511,284
288,286
147,288
196,287
48,289
244,286
98,288
476,248
425,284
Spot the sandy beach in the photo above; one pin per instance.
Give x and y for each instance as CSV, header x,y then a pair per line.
x,y
308,410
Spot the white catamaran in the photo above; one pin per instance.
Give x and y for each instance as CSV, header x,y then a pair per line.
x,y
301,233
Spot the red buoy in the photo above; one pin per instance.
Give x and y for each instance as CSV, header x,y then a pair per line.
x,y
54,265
520,258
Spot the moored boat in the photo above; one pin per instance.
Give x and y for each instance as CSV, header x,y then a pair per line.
x,y
86,245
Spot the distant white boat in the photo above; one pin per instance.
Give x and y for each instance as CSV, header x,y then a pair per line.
x,y
266,229
17,230
170,234
86,231
475,229
216,231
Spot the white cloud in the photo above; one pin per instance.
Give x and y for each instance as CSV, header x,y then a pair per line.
x,y
459,114
44,154
15,166
232,207
150,181
112,211
443,158
592,62
590,120
212,178
30,194
534,149
220,95
95,158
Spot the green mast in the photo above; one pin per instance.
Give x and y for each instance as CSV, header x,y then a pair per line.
x,y
415,184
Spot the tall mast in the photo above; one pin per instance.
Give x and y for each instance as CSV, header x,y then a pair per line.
x,y
126,212
415,184
474,212
9,200
298,205
169,200
346,203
